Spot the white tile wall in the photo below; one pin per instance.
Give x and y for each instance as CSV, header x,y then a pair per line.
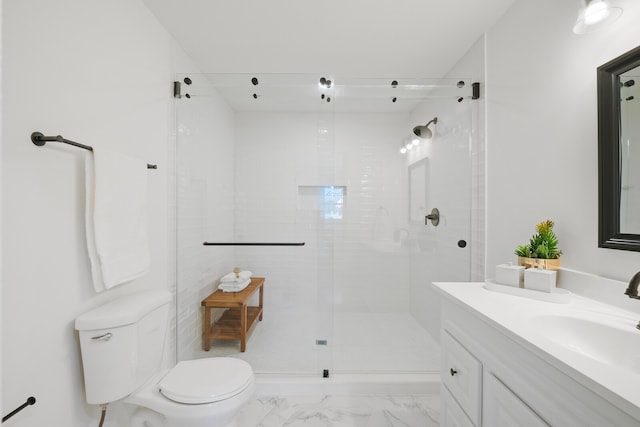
x,y
277,154
341,268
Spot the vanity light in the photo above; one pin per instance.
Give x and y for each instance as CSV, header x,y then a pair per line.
x,y
595,14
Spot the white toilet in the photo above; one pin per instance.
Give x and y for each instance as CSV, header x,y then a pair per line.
x,y
122,344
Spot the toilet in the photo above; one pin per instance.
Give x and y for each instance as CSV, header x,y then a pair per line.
x,y
122,345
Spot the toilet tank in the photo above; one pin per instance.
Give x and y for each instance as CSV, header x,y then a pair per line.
x,y
122,344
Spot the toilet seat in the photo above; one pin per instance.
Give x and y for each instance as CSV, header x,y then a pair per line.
x,y
206,380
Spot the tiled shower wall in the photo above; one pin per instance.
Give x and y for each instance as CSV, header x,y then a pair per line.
x,y
279,155
351,261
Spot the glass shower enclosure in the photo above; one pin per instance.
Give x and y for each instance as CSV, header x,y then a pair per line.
x,y
315,161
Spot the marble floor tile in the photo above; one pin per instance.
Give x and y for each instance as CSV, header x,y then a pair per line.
x,y
342,411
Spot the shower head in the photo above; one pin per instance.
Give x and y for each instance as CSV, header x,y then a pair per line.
x,y
424,132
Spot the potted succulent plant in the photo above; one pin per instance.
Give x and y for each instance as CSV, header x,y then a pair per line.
x,y
542,250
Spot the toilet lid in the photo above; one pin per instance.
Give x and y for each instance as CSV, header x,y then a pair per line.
x,y
206,380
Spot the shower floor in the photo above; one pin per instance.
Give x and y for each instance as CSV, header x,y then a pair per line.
x,y
285,343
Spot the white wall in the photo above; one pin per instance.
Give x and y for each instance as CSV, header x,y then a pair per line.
x,y
542,132
98,73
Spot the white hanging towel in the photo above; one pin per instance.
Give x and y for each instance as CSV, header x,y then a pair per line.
x,y
116,218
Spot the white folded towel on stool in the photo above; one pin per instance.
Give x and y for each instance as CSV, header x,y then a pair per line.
x,y
234,287
231,277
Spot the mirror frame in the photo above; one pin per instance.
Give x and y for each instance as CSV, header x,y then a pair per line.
x,y
609,235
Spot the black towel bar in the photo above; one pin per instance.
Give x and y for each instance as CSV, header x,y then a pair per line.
x,y
252,244
30,401
39,139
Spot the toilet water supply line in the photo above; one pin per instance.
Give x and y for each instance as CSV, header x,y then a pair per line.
x,y
103,414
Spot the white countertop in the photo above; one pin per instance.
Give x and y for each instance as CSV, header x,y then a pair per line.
x,y
515,317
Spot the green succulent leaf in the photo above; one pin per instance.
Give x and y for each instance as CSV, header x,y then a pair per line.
x,y
543,244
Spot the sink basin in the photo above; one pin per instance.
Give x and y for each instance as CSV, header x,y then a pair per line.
x,y
608,340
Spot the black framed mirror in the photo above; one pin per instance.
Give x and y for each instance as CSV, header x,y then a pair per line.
x,y
618,144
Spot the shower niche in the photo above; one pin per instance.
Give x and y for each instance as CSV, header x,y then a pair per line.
x,y
316,159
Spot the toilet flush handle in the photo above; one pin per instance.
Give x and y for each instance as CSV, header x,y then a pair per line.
x,y
103,337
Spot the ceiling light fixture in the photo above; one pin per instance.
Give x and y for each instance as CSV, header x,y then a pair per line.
x,y
595,14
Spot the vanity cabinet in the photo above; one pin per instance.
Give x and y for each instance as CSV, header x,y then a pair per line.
x,y
503,408
490,379
451,415
462,376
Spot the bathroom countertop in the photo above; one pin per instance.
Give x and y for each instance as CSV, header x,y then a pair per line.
x,y
514,316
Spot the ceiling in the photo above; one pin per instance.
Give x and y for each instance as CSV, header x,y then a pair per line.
x,y
364,38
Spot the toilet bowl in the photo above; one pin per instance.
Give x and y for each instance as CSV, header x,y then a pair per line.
x,y
122,344
195,393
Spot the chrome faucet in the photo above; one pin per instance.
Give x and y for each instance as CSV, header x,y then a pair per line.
x,y
632,289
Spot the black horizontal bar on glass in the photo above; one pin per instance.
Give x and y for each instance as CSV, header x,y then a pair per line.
x,y
253,243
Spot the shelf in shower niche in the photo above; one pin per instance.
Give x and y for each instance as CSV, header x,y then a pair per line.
x,y
253,243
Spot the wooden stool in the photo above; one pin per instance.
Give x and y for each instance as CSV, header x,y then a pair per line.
x,y
238,321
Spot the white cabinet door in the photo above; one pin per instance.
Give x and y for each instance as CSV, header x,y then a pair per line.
x,y
450,413
461,373
502,408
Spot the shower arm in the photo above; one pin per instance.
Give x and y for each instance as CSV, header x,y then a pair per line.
x,y
434,121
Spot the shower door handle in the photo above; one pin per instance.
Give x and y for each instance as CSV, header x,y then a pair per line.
x,y
434,217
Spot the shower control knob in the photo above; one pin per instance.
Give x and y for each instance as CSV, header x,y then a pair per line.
x,y
434,217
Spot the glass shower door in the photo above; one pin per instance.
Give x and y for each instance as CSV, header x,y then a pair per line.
x,y
252,156
442,171
286,158
386,316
